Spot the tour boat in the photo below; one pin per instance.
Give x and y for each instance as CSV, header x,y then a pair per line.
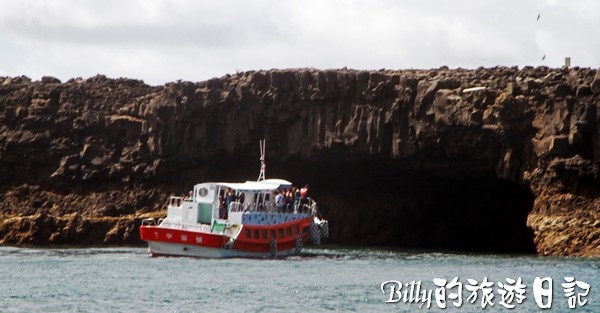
x,y
219,220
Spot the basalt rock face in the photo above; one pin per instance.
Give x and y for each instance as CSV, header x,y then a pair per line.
x,y
500,159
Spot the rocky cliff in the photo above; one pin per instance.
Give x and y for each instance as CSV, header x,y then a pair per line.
x,y
499,159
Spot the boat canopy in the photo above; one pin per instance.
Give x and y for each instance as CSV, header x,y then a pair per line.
x,y
267,184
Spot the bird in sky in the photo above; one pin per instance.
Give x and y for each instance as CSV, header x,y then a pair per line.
x,y
544,57
538,18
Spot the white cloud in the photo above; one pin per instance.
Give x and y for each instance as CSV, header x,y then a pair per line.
x,y
161,41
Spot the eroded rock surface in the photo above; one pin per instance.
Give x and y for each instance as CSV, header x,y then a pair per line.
x,y
500,159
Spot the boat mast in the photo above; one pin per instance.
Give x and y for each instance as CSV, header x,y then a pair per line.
x,y
263,167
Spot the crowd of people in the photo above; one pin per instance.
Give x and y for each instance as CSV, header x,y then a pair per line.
x,y
292,200
287,200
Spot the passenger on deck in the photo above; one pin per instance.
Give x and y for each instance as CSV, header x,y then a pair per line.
x,y
288,200
279,201
303,191
304,198
222,208
229,197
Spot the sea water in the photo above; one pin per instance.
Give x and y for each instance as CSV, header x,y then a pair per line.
x,y
325,279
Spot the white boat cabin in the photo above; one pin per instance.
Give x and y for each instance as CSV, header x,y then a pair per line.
x,y
213,206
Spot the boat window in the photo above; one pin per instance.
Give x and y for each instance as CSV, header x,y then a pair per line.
x,y
267,197
255,234
295,229
288,231
175,201
259,205
263,234
280,233
248,233
272,234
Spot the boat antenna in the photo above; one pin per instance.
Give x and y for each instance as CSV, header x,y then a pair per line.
x,y
263,167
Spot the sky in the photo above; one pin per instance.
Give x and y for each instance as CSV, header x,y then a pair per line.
x,y
161,41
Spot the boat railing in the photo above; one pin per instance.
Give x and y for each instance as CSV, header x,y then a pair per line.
x,y
236,207
148,222
268,207
202,227
309,207
252,207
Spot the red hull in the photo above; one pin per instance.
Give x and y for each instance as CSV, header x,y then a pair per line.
x,y
252,238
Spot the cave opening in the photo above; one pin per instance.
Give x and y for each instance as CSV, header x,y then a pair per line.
x,y
385,203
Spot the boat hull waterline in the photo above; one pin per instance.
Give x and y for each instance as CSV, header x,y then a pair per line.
x,y
193,242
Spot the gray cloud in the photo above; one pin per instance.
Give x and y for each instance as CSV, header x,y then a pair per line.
x,y
161,41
